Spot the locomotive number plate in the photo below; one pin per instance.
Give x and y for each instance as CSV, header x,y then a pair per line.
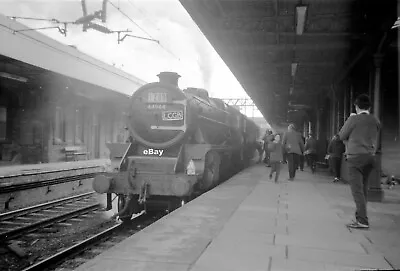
x,y
172,115
157,97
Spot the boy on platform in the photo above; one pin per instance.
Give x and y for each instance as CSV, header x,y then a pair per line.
x,y
275,150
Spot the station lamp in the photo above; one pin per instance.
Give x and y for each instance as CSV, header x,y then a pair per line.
x,y
301,12
294,69
13,77
396,24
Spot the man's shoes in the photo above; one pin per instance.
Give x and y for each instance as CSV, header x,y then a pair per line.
x,y
270,176
290,179
357,225
336,180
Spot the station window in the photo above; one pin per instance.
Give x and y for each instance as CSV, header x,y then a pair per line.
x,y
79,125
111,129
3,123
59,125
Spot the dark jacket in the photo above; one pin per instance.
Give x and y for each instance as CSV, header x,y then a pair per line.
x,y
311,145
360,134
293,143
336,148
275,150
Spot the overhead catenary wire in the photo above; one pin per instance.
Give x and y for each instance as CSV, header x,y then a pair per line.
x,y
141,28
64,31
81,59
130,19
39,19
144,13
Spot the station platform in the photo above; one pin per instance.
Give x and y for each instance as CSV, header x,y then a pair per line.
x,y
251,223
26,185
15,170
17,174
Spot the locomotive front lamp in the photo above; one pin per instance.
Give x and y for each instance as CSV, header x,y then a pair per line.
x,y
191,168
301,12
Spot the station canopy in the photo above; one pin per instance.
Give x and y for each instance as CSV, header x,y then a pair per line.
x,y
289,55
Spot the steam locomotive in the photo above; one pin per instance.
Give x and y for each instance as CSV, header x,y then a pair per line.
x,y
184,143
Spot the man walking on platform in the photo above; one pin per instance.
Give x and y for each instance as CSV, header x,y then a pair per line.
x,y
294,146
302,156
336,149
361,132
275,149
311,152
268,138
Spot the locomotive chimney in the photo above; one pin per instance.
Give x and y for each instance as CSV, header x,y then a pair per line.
x,y
169,78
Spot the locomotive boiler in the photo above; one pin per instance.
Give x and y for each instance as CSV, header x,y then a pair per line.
x,y
184,143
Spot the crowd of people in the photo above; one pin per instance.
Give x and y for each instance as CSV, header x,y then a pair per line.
x,y
293,149
357,142
290,148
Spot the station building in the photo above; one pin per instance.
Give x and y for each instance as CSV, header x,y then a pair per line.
x,y
57,103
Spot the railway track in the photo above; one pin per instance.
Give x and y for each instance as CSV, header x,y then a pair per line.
x,y
80,252
23,221
53,181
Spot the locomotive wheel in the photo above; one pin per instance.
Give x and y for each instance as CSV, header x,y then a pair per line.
x,y
133,207
211,170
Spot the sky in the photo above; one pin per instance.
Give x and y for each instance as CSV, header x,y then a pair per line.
x,y
183,48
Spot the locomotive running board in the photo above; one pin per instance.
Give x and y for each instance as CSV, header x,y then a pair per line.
x,y
154,165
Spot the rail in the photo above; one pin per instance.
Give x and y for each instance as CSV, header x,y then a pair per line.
x,y
32,225
85,245
26,186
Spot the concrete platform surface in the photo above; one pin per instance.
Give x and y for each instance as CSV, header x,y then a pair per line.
x,y
15,170
18,174
251,223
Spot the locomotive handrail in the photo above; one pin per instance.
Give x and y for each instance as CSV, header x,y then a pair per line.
x,y
215,121
209,104
170,128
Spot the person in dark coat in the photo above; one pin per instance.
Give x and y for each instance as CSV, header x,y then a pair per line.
x,y
268,138
360,134
311,152
259,145
302,157
275,149
294,147
336,149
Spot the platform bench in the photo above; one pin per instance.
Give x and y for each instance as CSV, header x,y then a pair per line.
x,y
73,152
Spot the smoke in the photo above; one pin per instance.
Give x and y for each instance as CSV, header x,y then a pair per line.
x,y
205,63
204,52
